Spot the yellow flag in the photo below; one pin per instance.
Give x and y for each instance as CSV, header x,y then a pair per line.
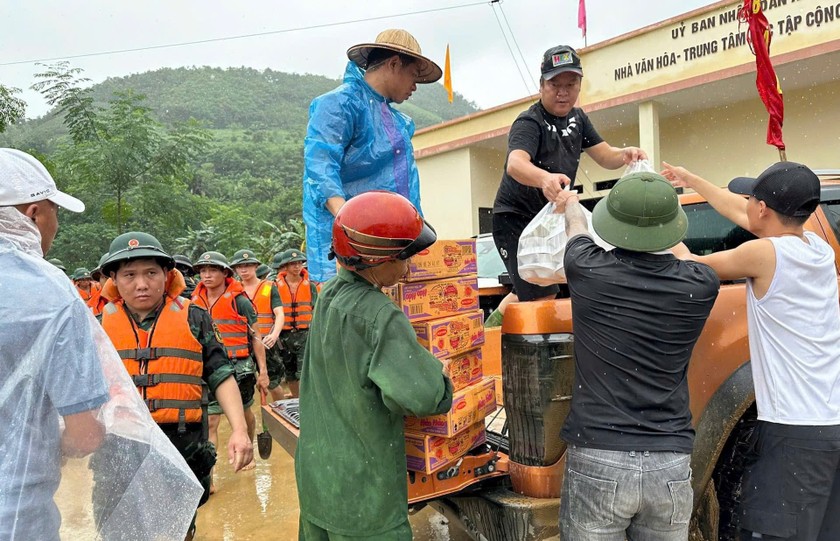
x,y
447,75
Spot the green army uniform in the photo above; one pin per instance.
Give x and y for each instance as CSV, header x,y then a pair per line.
x,y
193,444
363,372
273,359
292,340
185,266
274,355
245,369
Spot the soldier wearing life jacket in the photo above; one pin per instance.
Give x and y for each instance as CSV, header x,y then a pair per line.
x,y
298,295
84,283
97,301
170,348
183,264
236,319
266,300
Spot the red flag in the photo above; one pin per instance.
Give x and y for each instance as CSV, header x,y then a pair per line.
x,y
582,16
759,37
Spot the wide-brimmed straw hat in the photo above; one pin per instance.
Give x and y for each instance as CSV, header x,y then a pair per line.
x,y
401,42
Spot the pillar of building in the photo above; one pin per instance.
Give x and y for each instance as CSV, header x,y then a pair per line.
x,y
649,132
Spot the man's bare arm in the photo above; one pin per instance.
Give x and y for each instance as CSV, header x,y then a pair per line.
x,y
83,434
576,223
728,204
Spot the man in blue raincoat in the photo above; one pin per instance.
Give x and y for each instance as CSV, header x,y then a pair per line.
x,y
357,142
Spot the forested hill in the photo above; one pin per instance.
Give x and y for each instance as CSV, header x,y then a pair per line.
x,y
236,99
236,183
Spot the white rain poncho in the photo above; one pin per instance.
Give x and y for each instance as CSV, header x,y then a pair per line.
x,y
355,142
56,361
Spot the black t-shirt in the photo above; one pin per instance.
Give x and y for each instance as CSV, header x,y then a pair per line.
x,y
636,318
554,143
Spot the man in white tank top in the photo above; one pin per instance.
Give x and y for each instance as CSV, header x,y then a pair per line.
x,y
791,486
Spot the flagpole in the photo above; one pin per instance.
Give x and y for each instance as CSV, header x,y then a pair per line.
x,y
782,155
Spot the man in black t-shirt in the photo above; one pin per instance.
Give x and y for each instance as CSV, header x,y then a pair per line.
x,y
637,312
544,146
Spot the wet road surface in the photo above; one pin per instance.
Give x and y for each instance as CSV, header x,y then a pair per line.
x,y
262,503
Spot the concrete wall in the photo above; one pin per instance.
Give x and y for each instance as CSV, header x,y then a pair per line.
x,y
446,193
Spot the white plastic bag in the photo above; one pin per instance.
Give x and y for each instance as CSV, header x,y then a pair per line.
x,y
542,246
639,166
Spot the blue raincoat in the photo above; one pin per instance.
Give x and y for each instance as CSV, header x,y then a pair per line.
x,y
355,142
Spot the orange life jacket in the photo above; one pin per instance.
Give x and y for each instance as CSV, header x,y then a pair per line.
x,y
165,362
84,294
233,327
262,302
297,306
96,302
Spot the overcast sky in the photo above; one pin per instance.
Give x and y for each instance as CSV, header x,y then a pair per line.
x,y
306,36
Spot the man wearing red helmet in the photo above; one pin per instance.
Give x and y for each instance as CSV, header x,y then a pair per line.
x,y
363,371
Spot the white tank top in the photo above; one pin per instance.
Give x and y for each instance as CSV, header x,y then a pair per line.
x,y
795,336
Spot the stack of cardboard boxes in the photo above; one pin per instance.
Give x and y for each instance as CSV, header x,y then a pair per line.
x,y
440,298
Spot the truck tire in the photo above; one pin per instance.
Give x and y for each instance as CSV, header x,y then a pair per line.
x,y
728,474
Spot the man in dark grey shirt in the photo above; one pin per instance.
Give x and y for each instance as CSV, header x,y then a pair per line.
x,y
637,312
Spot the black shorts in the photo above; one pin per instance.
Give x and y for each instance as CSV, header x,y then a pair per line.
x,y
507,228
791,484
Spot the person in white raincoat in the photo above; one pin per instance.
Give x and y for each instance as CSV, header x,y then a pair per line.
x,y
64,390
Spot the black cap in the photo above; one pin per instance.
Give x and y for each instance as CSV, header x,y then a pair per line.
x,y
559,60
789,188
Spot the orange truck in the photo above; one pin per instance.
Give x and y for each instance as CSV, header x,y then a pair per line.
x,y
518,499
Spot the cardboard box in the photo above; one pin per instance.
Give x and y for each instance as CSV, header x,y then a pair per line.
x,y
451,335
469,406
429,454
443,259
421,301
464,369
500,393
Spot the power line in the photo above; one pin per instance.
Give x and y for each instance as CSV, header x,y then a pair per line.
x,y
513,37
242,36
513,56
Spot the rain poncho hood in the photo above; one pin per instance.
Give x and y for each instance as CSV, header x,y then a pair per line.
x,y
355,142
56,362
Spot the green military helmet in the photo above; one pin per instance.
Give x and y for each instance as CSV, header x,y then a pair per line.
x,y
215,259
135,245
57,263
245,256
262,271
291,256
641,213
183,261
81,274
97,272
275,261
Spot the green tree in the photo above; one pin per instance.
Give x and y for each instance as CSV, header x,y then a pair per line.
x,y
120,152
12,108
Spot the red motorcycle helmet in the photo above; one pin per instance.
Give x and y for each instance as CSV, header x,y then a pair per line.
x,y
378,226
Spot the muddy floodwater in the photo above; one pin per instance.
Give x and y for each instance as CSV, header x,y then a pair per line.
x,y
260,504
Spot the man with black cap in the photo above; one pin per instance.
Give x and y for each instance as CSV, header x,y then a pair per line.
x,y
637,312
791,486
356,141
544,146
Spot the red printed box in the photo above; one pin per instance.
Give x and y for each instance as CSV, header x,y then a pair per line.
x,y
429,454
469,406
439,298
443,259
464,369
452,335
